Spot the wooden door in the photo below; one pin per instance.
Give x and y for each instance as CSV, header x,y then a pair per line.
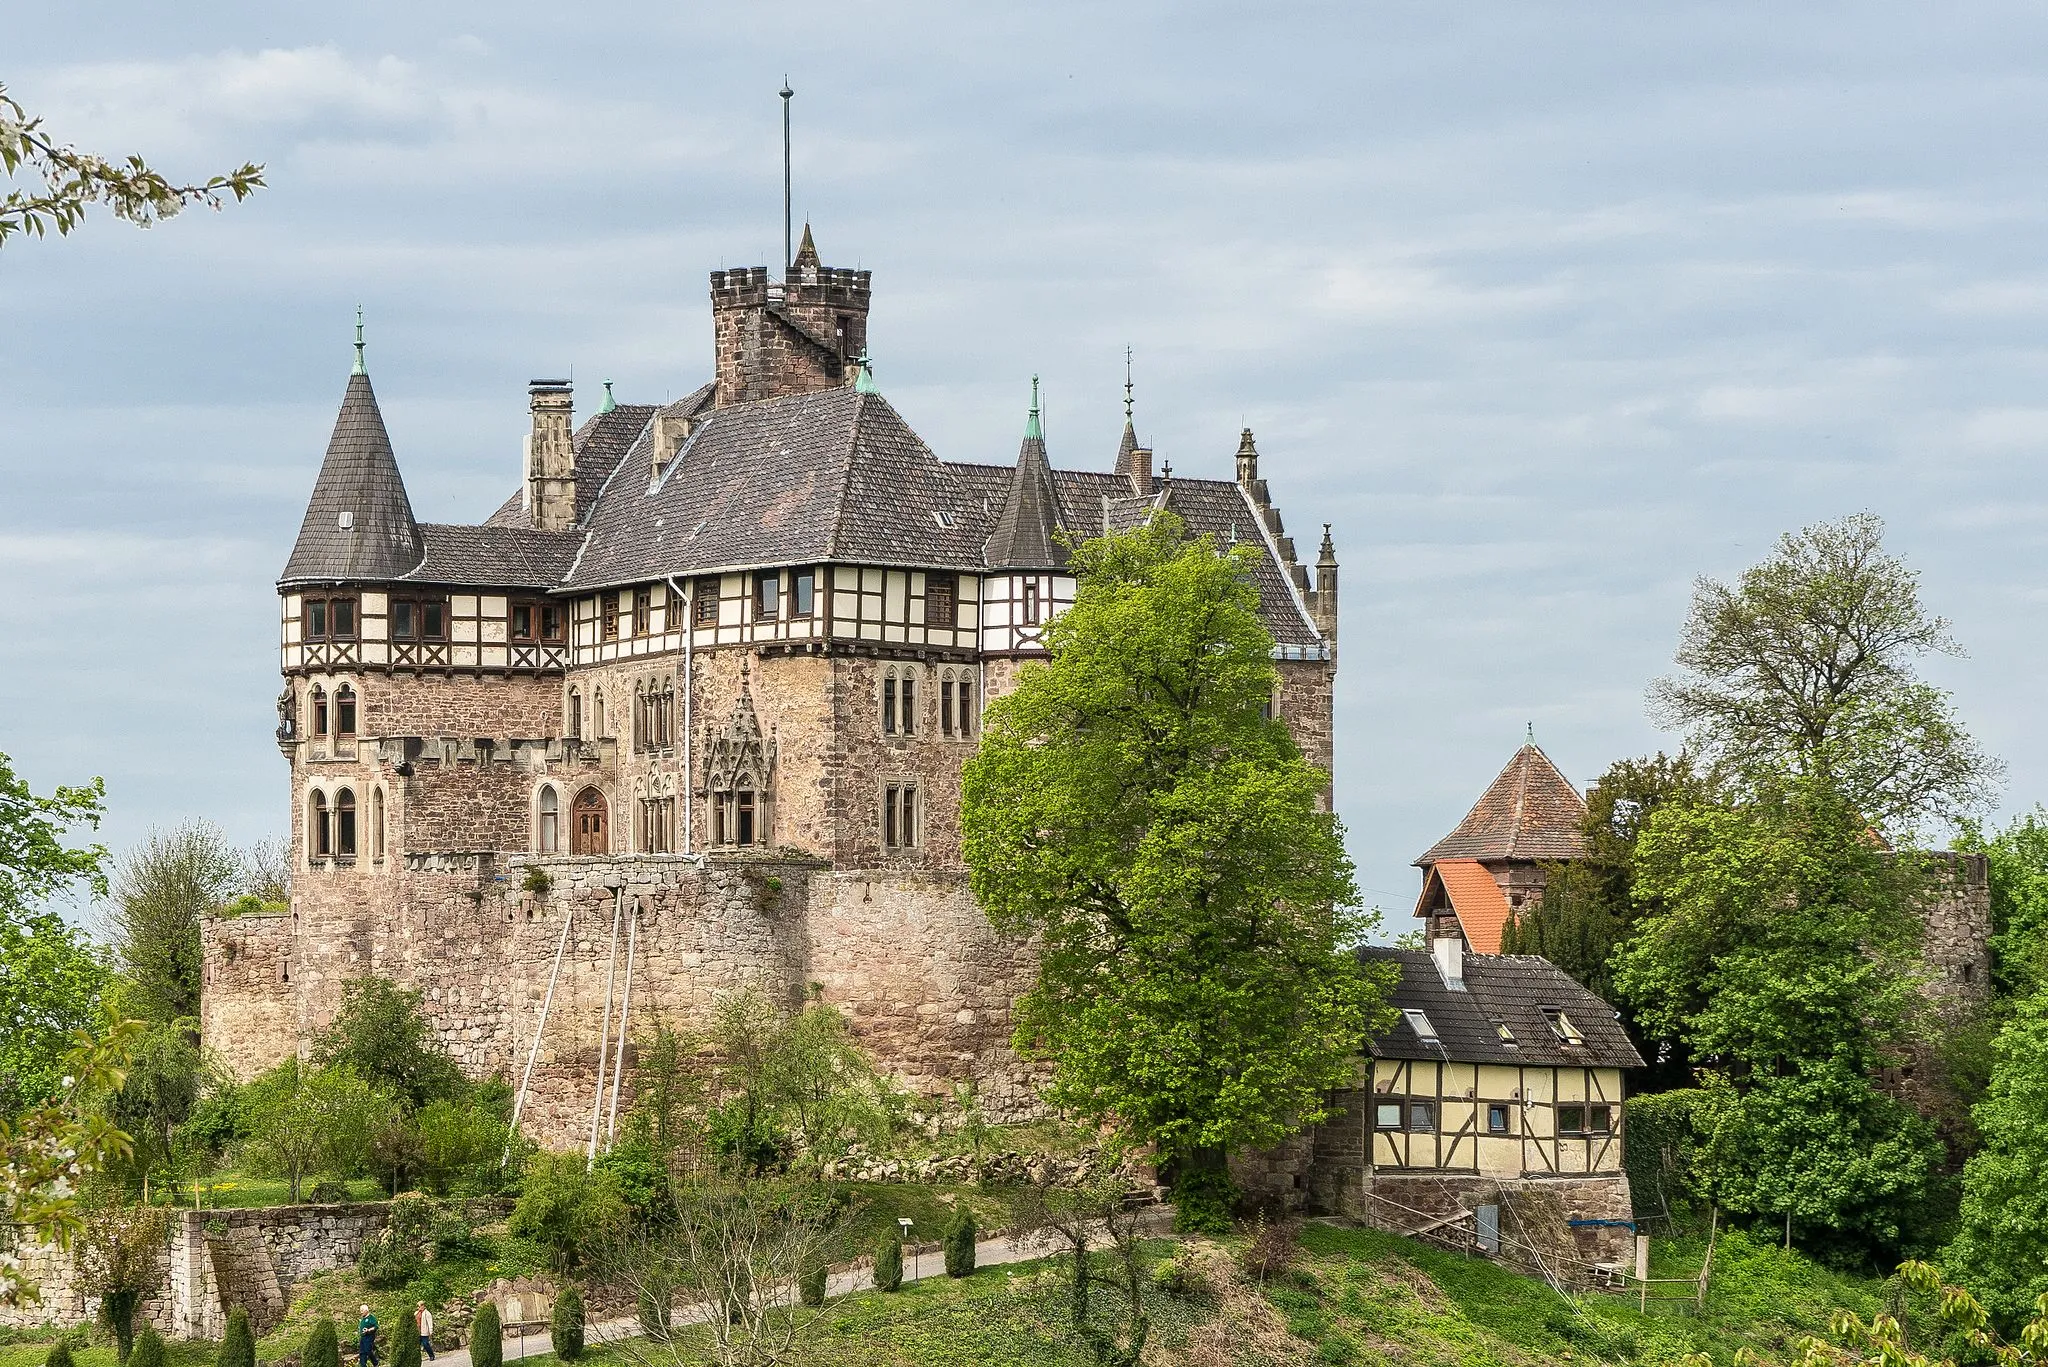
x,y
593,833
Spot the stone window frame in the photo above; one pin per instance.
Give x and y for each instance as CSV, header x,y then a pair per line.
x,y
572,722
347,836
654,714
377,832
896,699
657,824
548,824
959,719
317,707
319,828
902,814
345,719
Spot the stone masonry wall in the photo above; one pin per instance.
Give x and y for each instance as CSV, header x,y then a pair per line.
x,y
269,1251
248,1006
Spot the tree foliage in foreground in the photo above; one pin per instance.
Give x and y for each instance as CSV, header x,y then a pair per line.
x,y
1783,956
1807,666
70,180
1134,807
47,1153
50,974
1883,1341
2001,1249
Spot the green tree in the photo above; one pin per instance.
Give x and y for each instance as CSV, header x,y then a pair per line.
x,y
1781,954
486,1338
383,1036
2016,861
304,1121
1135,808
47,1153
120,1260
146,1351
1806,666
2001,1249
50,975
59,1355
237,1343
567,1207
889,1262
166,1076
323,1344
565,1326
69,180
161,889
959,1243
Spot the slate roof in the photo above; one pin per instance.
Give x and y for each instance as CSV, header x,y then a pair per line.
x,y
1531,812
832,475
1031,518
1481,907
358,482
1500,989
494,557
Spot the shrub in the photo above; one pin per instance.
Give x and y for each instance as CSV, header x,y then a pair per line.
x,y
237,1345
405,1345
1179,1277
149,1348
60,1354
537,882
751,1143
388,1261
657,1308
810,1287
328,1192
1270,1250
323,1346
889,1263
486,1338
563,1205
959,1239
1203,1199
565,1327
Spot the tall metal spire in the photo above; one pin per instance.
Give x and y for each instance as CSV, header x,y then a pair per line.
x,y
1127,386
359,368
788,247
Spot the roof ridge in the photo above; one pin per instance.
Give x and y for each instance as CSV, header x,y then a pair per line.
x,y
845,500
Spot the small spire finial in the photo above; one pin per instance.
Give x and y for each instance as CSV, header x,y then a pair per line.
x,y
360,368
1034,430
610,403
1127,386
864,381
1529,738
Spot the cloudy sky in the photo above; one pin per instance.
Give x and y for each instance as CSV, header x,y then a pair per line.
x,y
1548,309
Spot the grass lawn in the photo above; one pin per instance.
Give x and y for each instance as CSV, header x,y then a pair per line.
x,y
176,1354
1366,1297
1010,1316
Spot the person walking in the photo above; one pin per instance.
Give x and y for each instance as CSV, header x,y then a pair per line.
x,y
423,1320
366,1340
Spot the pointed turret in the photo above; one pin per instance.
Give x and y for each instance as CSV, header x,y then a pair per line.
x,y
1324,599
359,523
1024,537
807,251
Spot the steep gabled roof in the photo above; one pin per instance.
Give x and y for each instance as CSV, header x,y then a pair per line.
x,y
1500,989
359,522
1530,812
1027,528
1477,901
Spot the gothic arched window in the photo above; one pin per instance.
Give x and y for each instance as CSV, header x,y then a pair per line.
x,y
344,712
739,772
345,824
377,824
319,830
550,841
597,717
575,715
319,711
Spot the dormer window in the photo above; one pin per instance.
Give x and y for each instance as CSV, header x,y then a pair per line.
x,y
1561,1025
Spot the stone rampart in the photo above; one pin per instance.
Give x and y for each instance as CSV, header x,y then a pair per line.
x,y
213,1261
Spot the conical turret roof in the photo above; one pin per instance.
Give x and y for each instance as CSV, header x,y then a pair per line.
x,y
359,523
1530,812
1024,536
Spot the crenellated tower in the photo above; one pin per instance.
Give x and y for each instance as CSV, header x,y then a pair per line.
x,y
805,334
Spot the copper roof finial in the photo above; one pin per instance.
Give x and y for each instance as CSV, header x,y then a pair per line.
x,y
360,368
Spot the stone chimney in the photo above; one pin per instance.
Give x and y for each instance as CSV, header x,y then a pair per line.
x,y
551,456
1449,953
671,430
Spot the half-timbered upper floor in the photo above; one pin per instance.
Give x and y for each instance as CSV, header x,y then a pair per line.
x,y
812,518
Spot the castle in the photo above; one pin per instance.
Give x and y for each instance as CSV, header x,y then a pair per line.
x,y
688,712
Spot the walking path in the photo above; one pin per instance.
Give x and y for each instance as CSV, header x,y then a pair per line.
x,y
921,1263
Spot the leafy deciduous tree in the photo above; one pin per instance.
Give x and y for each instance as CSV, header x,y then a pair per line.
x,y
302,1121
1135,808
2001,1249
1806,666
381,1034
161,889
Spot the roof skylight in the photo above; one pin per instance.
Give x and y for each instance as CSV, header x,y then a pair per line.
x,y
1419,1023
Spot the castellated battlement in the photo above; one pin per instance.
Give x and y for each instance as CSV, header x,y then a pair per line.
x,y
825,285
740,287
